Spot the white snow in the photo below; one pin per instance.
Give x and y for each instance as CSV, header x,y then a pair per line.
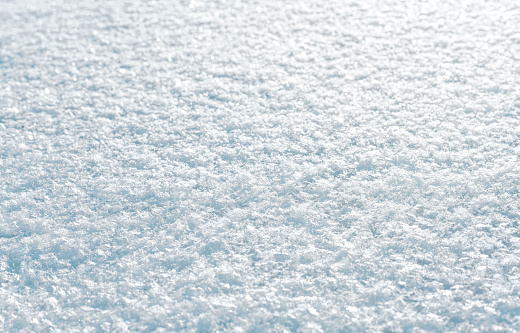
x,y
247,165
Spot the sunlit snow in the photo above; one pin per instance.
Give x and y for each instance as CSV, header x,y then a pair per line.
x,y
259,166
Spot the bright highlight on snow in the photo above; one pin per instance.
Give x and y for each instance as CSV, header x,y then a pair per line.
x,y
259,166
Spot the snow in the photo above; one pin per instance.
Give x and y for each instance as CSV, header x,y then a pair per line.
x,y
259,165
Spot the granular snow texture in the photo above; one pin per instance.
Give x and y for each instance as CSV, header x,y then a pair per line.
x,y
259,165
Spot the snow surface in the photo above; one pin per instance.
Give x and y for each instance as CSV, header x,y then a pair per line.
x,y
259,165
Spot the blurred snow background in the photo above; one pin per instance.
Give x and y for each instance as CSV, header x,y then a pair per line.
x,y
259,165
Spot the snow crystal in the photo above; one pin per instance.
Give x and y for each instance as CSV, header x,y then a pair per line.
x,y
259,165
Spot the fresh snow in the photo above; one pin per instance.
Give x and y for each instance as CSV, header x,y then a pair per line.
x,y
253,166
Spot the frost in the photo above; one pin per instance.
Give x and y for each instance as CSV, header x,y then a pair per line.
x,y
259,166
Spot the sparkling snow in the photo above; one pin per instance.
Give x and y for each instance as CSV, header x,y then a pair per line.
x,y
243,165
